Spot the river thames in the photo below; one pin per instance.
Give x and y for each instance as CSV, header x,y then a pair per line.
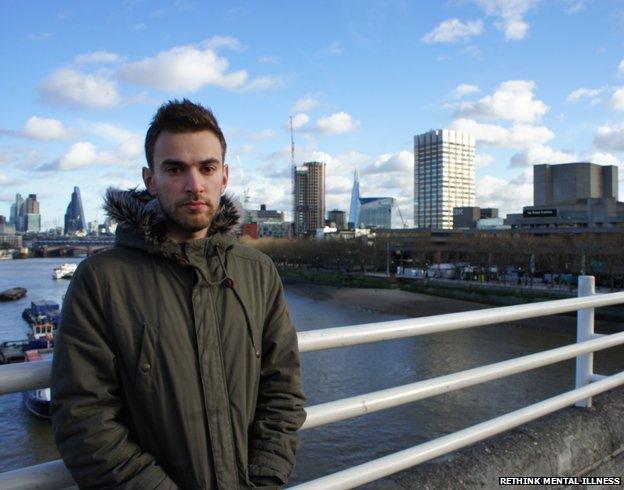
x,y
338,373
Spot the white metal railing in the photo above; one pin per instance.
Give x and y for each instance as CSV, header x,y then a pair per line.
x,y
54,475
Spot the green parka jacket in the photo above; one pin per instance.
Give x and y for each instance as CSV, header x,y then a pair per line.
x,y
176,365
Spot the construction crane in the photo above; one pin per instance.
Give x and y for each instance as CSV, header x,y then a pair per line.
x,y
401,216
246,194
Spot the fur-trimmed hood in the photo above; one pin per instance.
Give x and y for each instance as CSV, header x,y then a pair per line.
x,y
142,224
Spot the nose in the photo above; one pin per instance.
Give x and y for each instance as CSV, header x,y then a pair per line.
x,y
194,181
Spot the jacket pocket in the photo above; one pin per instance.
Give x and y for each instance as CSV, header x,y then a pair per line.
x,y
145,363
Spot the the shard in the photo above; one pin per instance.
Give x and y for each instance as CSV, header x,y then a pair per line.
x,y
354,210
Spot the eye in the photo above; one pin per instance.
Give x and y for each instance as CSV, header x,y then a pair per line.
x,y
208,169
172,170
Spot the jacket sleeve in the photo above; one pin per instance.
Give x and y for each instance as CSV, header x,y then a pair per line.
x,y
86,406
279,412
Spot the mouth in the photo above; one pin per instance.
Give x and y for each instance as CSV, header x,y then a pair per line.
x,y
195,205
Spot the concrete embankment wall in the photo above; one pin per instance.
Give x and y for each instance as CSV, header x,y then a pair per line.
x,y
570,442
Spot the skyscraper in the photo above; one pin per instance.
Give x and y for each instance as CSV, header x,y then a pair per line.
x,y
74,216
309,196
16,212
32,217
444,176
25,215
379,212
354,209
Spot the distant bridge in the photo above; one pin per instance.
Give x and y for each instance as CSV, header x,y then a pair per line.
x,y
71,246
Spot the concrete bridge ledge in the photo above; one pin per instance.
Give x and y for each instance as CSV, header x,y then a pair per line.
x,y
570,442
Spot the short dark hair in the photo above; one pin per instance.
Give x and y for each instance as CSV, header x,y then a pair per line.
x,y
181,116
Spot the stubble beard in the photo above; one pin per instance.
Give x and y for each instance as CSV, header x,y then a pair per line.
x,y
179,218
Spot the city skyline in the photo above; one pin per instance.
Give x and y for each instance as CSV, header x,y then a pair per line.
x,y
535,81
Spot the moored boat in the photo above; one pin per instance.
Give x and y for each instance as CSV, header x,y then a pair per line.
x,y
41,312
64,271
38,401
12,351
13,294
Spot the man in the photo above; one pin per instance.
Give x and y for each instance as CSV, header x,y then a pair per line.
x,y
176,363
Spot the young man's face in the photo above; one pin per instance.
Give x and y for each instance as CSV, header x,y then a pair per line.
x,y
188,178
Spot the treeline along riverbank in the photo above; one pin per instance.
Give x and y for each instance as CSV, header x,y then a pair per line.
x,y
469,293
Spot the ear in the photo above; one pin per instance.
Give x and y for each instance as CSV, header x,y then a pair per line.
x,y
226,176
148,180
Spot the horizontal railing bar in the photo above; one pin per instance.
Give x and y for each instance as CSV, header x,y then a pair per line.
x,y
373,332
596,377
402,460
597,335
51,475
25,376
346,408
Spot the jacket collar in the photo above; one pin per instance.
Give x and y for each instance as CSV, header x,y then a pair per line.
x,y
142,224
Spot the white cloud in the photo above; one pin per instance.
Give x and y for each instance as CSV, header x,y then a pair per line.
x,y
335,48
305,104
483,160
402,162
108,131
71,87
189,68
300,120
130,150
513,100
44,129
617,99
129,145
453,30
244,149
610,138
4,180
508,195
337,123
44,36
184,68
263,82
621,67
574,6
217,42
510,15
519,136
97,57
604,158
473,51
541,154
464,89
269,59
584,93
79,155
263,135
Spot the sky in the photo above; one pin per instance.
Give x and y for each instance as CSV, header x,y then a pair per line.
x,y
536,81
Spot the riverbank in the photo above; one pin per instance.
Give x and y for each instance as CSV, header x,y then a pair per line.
x,y
412,304
465,293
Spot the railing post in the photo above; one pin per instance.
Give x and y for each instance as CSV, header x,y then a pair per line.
x,y
584,331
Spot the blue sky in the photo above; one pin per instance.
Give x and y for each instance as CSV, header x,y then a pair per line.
x,y
536,81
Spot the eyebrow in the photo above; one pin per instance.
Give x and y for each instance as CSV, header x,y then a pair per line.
x,y
173,161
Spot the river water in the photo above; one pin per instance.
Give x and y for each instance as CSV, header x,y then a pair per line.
x,y
338,373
